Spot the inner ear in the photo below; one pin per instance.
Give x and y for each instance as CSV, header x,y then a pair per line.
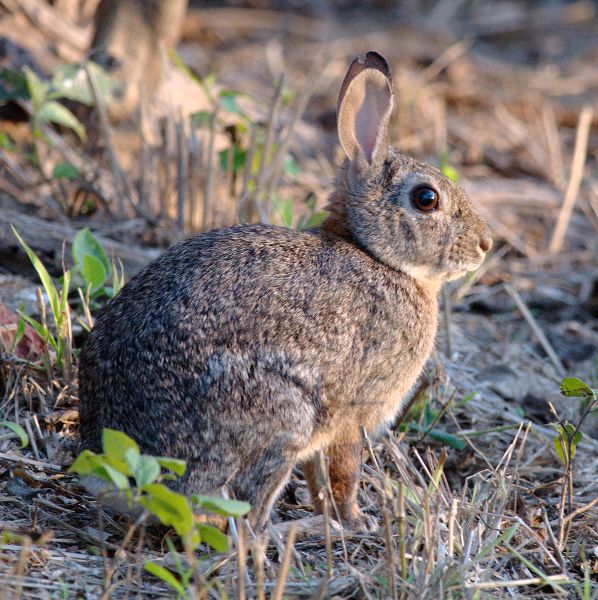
x,y
364,109
371,120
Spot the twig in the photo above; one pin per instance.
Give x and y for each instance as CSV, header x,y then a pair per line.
x,y
390,558
581,509
451,527
241,561
194,169
258,552
29,461
51,22
123,185
209,182
20,567
577,166
536,329
255,206
181,172
284,567
278,159
450,55
32,439
549,579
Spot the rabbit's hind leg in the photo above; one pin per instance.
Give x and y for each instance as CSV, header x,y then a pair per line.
x,y
344,467
261,482
257,413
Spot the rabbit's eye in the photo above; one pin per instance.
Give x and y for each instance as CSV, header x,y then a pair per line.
x,y
424,199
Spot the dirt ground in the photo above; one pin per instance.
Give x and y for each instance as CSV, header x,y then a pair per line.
x,y
506,93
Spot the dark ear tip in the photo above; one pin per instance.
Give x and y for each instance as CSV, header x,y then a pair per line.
x,y
373,60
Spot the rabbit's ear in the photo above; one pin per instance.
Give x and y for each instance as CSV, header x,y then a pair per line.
x,y
364,108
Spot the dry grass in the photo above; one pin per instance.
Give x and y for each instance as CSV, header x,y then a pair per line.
x,y
490,521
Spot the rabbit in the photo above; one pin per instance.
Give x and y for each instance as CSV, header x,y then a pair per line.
x,y
247,350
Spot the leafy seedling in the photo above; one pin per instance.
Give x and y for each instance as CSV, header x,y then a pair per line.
x,y
18,431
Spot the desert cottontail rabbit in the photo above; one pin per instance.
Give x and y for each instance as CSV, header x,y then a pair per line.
x,y
245,350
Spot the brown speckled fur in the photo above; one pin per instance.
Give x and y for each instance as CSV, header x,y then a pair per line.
x,y
247,349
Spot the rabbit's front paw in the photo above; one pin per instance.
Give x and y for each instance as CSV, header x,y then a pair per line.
x,y
359,522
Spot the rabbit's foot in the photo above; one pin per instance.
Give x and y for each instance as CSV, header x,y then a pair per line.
x,y
359,522
308,528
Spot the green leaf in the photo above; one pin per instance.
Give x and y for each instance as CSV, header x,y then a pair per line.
x,y
287,95
64,296
290,166
239,158
19,333
165,575
566,442
84,243
284,208
53,112
170,507
228,102
504,537
447,439
213,537
441,436
175,465
89,463
450,173
71,81
446,169
146,471
132,459
37,87
109,472
118,279
84,463
222,506
210,80
43,275
6,142
93,271
18,431
315,220
65,170
42,331
576,388
116,444
201,118
561,449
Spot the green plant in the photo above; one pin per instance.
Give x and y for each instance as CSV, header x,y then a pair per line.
x,y
140,479
92,269
18,431
568,437
61,341
68,82
283,209
46,108
254,148
421,418
446,169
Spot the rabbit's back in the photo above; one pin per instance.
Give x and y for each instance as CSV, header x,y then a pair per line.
x,y
240,317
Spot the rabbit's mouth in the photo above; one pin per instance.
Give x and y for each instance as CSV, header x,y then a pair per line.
x,y
440,274
459,269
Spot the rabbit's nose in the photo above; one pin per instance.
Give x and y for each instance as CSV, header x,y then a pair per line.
x,y
485,243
